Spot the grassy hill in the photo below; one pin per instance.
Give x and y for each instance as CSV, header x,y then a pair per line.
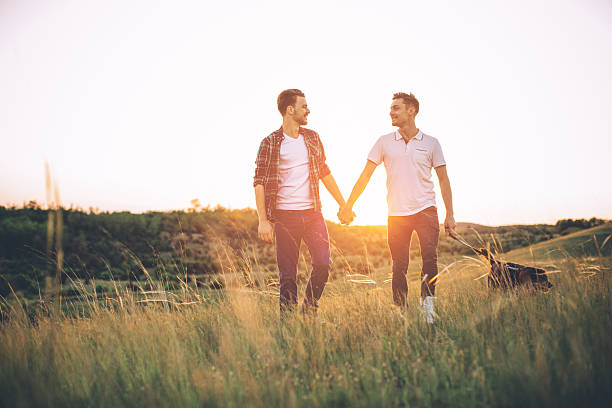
x,y
592,242
229,348
193,244
194,346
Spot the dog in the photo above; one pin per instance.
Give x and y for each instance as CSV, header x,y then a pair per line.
x,y
506,275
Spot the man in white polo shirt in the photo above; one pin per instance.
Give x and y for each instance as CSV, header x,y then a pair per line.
x,y
409,155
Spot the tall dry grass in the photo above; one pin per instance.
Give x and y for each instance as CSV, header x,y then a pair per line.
x,y
202,347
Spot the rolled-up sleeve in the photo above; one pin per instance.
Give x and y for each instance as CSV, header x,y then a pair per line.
x,y
323,168
262,162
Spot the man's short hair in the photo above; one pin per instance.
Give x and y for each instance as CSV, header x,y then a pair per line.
x,y
287,98
409,99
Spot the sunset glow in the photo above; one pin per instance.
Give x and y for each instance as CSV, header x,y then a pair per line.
x,y
145,106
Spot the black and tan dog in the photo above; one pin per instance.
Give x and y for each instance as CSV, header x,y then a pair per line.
x,y
505,275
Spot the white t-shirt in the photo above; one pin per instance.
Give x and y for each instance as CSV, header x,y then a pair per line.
x,y
294,191
408,165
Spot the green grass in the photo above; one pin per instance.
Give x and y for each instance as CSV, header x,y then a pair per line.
x,y
228,348
592,242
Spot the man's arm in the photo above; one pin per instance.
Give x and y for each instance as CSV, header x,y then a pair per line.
x,y
330,184
447,196
360,185
265,230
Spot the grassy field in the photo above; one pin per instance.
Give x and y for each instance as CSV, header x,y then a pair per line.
x,y
228,348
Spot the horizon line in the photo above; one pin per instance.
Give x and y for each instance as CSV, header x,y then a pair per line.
x,y
209,208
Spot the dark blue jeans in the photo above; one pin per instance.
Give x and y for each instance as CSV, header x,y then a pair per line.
x,y
425,223
290,228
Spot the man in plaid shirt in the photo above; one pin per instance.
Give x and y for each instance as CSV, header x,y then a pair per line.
x,y
290,163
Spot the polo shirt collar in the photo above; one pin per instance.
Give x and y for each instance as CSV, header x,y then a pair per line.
x,y
418,136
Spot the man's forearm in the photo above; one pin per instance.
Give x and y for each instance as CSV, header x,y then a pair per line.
x,y
361,184
260,201
330,184
447,196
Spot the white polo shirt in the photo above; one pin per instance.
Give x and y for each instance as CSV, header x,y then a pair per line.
x,y
408,165
294,191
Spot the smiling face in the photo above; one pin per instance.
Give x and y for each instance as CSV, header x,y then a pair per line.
x,y
401,114
299,111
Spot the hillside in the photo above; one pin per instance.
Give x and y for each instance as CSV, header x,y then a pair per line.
x,y
592,242
200,347
199,244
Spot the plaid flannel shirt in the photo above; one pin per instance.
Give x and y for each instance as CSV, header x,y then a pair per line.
x,y
268,161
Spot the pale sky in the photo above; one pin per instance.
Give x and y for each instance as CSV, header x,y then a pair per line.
x,y
145,105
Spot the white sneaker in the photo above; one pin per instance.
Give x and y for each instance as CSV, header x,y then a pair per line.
x,y
427,309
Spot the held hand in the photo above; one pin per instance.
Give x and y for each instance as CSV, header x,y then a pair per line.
x,y
449,225
346,215
265,231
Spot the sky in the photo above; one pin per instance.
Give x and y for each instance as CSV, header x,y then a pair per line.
x,y
146,105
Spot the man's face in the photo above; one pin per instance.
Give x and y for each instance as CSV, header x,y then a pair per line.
x,y
300,111
400,113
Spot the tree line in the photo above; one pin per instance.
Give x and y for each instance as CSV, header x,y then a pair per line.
x,y
202,241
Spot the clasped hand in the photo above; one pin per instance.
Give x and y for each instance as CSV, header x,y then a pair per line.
x,y
346,215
